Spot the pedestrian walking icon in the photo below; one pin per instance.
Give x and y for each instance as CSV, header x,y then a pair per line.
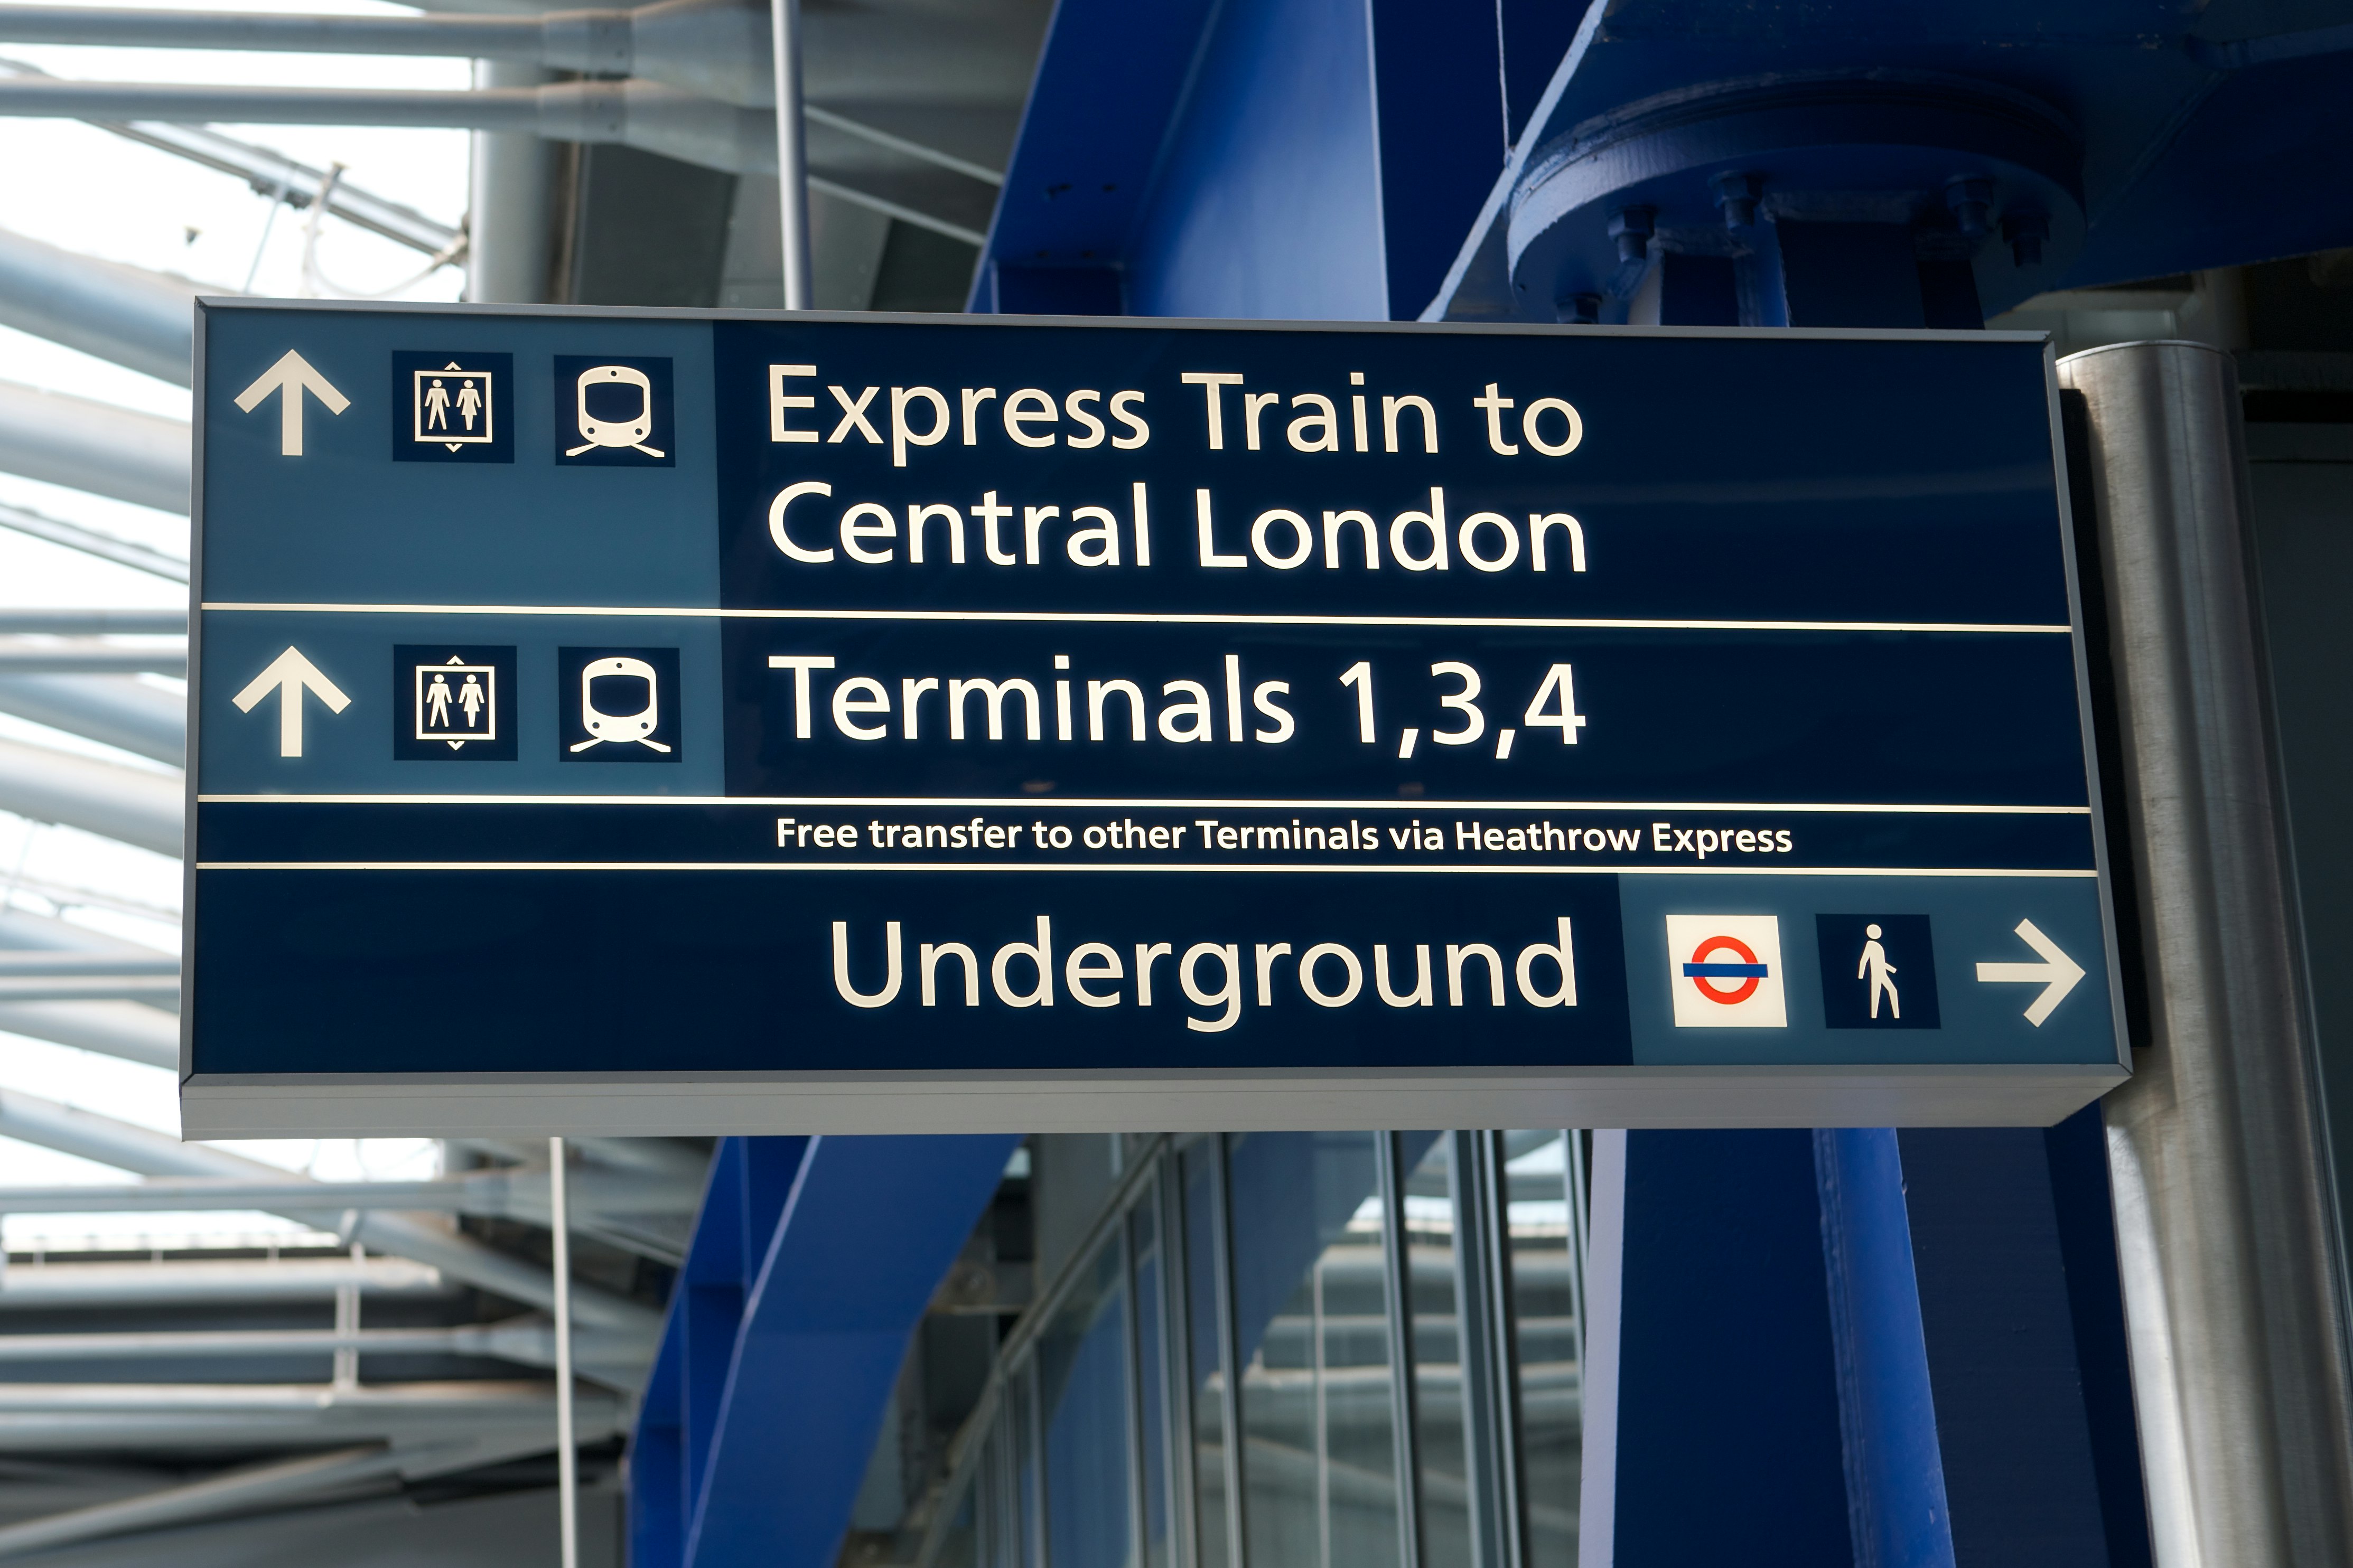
x,y
1875,968
1879,971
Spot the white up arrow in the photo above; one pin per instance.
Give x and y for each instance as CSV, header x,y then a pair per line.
x,y
288,674
290,377
2057,974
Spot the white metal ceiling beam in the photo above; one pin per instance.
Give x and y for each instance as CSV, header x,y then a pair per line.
x,y
507,1195
86,1416
94,447
129,1030
96,543
104,798
116,711
89,656
94,623
239,1489
126,314
718,49
272,174
136,1149
54,1287
526,1341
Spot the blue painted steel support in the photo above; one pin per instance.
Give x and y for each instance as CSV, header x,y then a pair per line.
x,y
1894,1471
811,1264
1727,1415
1262,159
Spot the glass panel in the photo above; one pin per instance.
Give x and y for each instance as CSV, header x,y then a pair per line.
x,y
1437,1338
1153,1380
1209,1376
1545,1299
996,1488
960,1542
1082,1390
1024,1470
1319,1462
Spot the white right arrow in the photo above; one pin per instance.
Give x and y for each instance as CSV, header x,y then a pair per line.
x,y
288,674
2057,976
290,377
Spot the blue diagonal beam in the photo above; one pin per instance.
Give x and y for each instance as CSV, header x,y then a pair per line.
x,y
867,1232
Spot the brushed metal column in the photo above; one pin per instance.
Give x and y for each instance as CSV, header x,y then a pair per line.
x,y
2225,1230
511,224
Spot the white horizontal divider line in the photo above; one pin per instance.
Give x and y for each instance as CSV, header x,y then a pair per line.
x,y
1151,618
1025,866
1040,802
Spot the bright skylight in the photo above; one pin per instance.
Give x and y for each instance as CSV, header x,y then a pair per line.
x,y
91,192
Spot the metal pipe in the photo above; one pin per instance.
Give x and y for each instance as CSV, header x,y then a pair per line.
x,y
488,1194
88,655
567,1458
526,1341
653,1156
173,623
48,1287
94,447
82,1417
104,798
792,150
96,988
2226,1241
135,1149
665,120
126,314
116,711
129,1030
232,1490
509,212
714,48
19,964
272,174
91,541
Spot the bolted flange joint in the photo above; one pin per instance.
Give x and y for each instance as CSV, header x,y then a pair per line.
x,y
1970,201
1631,227
2024,232
1578,310
1736,193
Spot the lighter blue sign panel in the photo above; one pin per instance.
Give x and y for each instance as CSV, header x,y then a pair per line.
x,y
752,723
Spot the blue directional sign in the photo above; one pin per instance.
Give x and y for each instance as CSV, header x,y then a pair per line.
x,y
616,721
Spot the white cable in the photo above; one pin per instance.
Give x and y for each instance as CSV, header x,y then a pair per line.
x,y
315,281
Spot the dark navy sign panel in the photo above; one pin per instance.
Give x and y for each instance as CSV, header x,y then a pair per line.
x,y
1887,479
1140,709
1379,835
1170,969
1051,724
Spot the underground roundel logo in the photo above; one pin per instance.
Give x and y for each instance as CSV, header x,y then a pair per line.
x,y
1725,971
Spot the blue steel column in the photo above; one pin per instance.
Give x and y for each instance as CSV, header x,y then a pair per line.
x,y
1960,1362
1947,1360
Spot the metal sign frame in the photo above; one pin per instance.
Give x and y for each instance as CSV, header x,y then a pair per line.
x,y
219,1105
